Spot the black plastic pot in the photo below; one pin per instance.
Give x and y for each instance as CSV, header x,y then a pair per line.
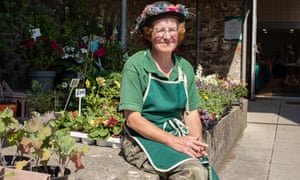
x,y
53,171
10,160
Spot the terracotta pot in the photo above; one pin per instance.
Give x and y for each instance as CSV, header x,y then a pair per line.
x,y
13,106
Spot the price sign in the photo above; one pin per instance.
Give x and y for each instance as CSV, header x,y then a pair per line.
x,y
74,83
80,93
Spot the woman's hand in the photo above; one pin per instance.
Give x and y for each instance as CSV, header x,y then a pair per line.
x,y
190,146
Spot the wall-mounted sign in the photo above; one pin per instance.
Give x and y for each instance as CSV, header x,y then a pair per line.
x,y
233,28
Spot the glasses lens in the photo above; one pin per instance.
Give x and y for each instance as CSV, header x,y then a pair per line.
x,y
162,31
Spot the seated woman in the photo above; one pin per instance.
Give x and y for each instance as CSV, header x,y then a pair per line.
x,y
163,132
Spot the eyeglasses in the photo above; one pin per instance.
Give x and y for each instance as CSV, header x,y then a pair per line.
x,y
160,32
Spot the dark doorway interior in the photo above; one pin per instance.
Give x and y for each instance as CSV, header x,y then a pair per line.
x,y
274,46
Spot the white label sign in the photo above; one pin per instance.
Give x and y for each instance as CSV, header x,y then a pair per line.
x,y
80,92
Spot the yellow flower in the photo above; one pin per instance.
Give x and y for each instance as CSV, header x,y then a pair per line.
x,y
117,83
87,83
205,97
100,81
92,122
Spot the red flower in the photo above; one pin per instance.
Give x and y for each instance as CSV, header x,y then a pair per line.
x,y
28,43
54,45
100,52
112,121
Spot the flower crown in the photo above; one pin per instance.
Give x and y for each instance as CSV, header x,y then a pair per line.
x,y
158,8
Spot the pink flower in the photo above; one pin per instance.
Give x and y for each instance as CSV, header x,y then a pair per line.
x,y
171,9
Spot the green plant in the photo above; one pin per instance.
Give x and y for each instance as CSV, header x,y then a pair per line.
x,y
218,94
108,124
42,140
39,44
9,126
99,116
41,100
41,54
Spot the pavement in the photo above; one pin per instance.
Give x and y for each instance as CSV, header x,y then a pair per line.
x,y
270,145
268,149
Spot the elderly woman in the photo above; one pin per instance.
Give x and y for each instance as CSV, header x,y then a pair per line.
x,y
163,132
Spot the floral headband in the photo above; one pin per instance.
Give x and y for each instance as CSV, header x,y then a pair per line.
x,y
161,9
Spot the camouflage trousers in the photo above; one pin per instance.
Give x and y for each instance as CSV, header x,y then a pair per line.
x,y
189,170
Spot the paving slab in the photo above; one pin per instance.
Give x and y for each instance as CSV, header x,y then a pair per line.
x,y
280,171
269,148
265,118
258,136
290,112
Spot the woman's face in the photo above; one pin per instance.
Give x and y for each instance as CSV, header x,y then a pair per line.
x,y
165,34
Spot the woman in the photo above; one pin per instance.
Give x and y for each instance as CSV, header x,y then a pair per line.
x,y
163,132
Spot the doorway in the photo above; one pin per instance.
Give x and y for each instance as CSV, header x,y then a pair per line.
x,y
278,34
278,62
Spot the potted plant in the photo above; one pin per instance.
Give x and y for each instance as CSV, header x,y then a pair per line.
x,y
49,148
39,46
9,126
102,101
5,103
217,97
41,100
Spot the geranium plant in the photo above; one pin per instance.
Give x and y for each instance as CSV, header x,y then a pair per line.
x,y
103,101
41,54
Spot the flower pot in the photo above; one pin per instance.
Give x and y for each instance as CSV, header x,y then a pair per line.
x,y
4,105
22,174
115,141
87,141
46,78
10,160
103,143
53,171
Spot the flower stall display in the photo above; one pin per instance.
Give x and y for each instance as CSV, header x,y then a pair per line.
x,y
44,146
95,55
42,56
100,118
217,96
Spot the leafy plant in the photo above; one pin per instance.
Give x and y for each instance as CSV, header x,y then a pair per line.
x,y
42,140
9,126
41,100
218,94
41,54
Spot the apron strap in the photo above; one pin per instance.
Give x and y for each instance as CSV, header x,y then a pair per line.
x,y
183,78
177,125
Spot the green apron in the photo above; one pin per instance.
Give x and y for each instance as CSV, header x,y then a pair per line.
x,y
164,104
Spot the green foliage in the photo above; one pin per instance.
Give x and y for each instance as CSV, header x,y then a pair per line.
x,y
41,138
9,128
99,117
41,100
217,94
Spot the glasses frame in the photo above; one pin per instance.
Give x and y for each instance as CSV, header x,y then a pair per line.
x,y
161,32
